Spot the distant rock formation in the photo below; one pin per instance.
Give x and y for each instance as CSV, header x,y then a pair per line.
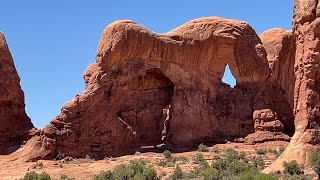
x,y
306,30
14,123
148,89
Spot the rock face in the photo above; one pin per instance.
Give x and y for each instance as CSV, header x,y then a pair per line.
x,y
14,123
267,127
280,47
306,29
148,89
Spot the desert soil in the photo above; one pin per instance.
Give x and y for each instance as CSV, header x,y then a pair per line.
x,y
13,167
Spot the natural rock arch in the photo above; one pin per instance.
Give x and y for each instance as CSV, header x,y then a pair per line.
x,y
189,61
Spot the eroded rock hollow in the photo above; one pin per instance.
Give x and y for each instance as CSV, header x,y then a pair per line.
x,y
14,123
149,89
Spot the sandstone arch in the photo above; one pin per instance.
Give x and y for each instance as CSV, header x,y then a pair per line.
x,y
186,65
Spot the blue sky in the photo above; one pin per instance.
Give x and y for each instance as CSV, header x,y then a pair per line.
x,y
52,42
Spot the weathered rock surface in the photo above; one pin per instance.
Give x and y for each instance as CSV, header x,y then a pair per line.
x,y
14,123
306,29
267,127
280,47
149,89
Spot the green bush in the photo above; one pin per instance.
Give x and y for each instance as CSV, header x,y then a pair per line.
x,y
167,154
105,175
293,168
211,174
203,148
136,170
39,165
220,164
199,159
261,151
177,174
65,177
35,176
251,175
230,166
231,154
215,149
259,162
281,149
315,162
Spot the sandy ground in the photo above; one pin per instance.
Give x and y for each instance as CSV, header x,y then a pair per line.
x,y
13,167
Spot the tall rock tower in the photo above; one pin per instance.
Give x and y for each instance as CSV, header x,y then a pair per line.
x,y
14,122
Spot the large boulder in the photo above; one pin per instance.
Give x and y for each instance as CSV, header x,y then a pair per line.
x,y
14,123
148,89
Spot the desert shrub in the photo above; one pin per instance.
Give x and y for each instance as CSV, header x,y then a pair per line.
x,y
170,162
281,149
35,176
211,174
259,162
203,148
273,151
239,167
137,169
230,166
167,154
231,155
315,162
177,174
293,168
296,177
261,151
39,165
252,175
181,159
59,156
105,175
215,149
220,164
199,159
65,177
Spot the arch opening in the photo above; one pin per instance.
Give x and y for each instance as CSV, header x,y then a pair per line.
x,y
228,77
151,95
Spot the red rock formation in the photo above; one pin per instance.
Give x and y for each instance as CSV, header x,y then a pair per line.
x,y
280,48
306,29
14,123
149,89
267,127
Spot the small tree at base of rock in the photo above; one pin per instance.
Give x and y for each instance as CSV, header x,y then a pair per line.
x,y
315,162
203,148
177,174
293,168
167,154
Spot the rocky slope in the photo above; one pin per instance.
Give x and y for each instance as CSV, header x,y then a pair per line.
x,y
14,123
150,89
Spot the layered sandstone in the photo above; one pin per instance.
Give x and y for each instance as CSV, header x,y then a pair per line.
x,y
149,89
267,126
280,47
14,123
306,29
